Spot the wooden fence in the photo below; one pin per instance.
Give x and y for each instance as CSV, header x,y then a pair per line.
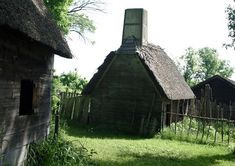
x,y
205,121
74,106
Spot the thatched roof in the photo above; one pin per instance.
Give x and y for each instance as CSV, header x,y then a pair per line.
x,y
32,19
160,67
227,81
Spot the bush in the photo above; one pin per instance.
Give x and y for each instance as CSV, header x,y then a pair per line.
x,y
61,152
232,148
58,151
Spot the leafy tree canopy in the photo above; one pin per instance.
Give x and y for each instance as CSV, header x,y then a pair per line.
x,y
73,82
71,14
69,82
231,25
199,65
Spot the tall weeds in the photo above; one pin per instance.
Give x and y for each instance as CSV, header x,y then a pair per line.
x,y
58,151
61,152
204,132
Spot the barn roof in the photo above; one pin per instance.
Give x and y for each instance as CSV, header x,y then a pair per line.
x,y
160,67
230,82
31,18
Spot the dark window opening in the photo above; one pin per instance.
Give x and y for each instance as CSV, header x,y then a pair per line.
x,y
26,97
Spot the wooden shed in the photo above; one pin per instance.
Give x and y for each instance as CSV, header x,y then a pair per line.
x,y
29,38
135,84
223,89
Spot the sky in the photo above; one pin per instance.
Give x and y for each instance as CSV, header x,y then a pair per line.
x,y
174,25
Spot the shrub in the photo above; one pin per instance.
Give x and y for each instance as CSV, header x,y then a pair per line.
x,y
61,152
58,151
232,148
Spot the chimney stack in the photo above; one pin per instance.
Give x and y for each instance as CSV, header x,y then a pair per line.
x,y
135,24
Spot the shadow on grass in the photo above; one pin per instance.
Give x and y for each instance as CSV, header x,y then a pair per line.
x,y
77,130
147,159
127,158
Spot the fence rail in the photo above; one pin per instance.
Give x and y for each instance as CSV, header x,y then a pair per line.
x,y
206,120
203,120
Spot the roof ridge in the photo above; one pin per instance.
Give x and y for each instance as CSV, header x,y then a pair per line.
x,y
231,82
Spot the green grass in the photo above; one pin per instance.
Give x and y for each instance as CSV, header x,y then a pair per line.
x,y
123,150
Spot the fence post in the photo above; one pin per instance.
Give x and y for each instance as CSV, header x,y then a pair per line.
x,y
77,104
171,112
56,132
176,115
209,121
229,118
222,116
209,107
73,100
182,111
161,120
216,128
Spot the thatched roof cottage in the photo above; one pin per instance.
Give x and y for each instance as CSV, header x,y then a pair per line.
x,y
28,39
135,84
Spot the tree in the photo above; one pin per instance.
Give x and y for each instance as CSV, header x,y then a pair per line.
x,y
231,25
199,65
73,81
71,15
70,82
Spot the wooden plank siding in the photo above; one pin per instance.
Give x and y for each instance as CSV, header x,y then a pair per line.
x,y
125,95
223,89
22,59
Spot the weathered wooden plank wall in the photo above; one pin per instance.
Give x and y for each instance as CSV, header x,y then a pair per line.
x,y
22,59
124,96
125,99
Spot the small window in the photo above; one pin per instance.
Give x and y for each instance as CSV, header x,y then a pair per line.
x,y
26,97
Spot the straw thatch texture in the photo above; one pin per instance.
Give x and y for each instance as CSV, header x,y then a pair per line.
x,y
97,76
165,72
31,18
160,67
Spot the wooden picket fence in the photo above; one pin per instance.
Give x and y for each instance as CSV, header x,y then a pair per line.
x,y
74,106
205,121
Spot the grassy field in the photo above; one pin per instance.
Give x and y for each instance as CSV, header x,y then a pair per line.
x,y
119,150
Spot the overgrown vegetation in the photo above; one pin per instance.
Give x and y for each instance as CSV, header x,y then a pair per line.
x,y
61,152
66,82
56,151
192,130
